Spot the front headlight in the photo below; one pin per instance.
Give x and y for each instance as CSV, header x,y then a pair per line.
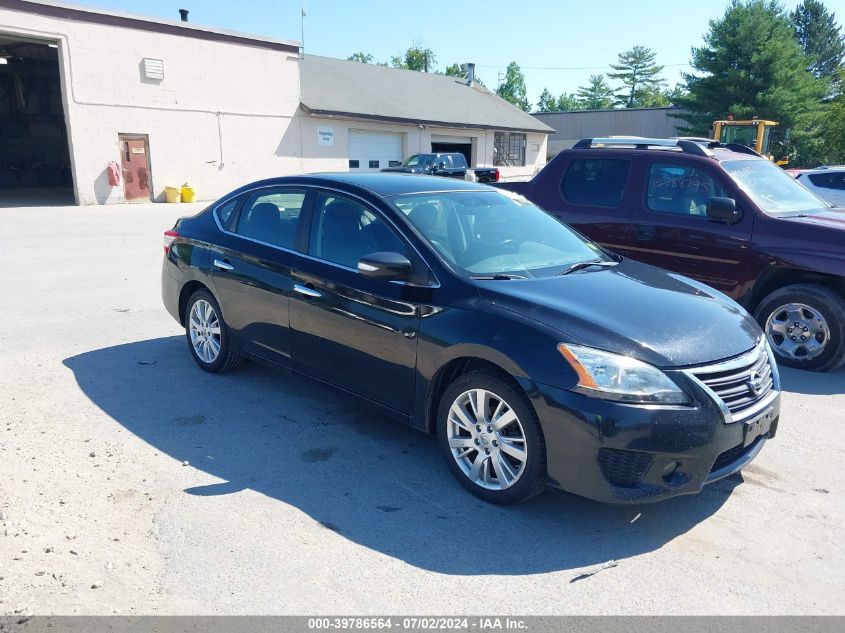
x,y
620,378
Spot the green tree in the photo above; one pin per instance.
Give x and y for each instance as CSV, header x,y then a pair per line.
x,y
596,95
415,58
567,101
751,64
360,56
820,37
833,127
512,89
639,76
547,102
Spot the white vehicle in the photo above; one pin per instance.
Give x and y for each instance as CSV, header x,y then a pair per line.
x,y
828,183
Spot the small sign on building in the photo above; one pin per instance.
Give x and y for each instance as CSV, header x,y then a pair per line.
x,y
325,136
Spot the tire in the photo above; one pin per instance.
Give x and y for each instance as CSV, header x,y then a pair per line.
x,y
204,322
804,310
457,437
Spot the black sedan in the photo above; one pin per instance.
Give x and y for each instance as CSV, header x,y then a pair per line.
x,y
464,311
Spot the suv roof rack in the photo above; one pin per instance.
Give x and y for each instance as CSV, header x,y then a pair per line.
x,y
685,145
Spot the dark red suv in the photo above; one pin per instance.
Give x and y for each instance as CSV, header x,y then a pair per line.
x,y
720,214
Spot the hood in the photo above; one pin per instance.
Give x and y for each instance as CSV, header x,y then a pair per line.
x,y
634,309
831,219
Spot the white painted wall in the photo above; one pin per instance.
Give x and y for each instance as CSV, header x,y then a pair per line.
x,y
317,158
221,116
225,114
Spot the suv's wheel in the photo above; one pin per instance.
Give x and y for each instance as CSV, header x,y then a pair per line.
x,y
491,438
805,325
208,337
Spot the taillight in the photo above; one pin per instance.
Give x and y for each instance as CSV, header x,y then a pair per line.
x,y
169,236
497,176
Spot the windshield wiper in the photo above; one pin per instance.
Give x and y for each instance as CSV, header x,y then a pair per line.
x,y
499,276
587,264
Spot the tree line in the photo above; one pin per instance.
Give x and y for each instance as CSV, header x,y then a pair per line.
x,y
757,59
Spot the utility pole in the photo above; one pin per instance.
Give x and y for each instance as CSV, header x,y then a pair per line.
x,y
425,62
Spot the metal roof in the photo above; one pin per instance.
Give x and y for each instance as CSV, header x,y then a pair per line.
x,y
64,10
346,89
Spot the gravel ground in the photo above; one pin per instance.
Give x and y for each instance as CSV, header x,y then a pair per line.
x,y
133,483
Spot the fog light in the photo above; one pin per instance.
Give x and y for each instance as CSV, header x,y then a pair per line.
x,y
669,470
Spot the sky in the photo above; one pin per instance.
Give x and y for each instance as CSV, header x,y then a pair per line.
x,y
558,44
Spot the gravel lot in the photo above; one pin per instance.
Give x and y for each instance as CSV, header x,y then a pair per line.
x,y
131,482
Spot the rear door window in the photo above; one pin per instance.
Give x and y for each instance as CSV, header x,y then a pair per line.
x,y
680,189
272,217
598,182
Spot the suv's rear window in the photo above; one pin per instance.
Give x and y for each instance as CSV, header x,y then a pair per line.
x,y
596,182
833,180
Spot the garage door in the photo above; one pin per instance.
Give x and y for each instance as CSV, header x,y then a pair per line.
x,y
371,151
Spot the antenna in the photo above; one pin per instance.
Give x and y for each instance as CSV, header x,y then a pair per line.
x,y
302,37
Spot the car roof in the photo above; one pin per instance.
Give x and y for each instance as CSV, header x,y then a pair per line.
x,y
382,184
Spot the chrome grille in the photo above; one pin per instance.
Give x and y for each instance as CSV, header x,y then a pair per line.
x,y
740,383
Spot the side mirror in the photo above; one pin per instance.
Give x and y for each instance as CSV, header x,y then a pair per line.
x,y
385,266
723,210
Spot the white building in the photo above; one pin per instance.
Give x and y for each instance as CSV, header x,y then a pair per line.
x,y
170,102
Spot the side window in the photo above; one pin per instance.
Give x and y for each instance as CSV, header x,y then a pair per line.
x,y
680,189
828,181
344,231
272,216
598,182
226,213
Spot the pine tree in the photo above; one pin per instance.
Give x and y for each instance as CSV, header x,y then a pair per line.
x,y
820,37
596,95
752,65
640,77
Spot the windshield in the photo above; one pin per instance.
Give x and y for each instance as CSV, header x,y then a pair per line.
x,y
417,160
488,233
772,189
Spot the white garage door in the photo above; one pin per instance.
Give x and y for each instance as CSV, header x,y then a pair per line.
x,y
371,151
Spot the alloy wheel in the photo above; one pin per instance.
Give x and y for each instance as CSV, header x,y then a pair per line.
x,y
486,439
797,331
204,327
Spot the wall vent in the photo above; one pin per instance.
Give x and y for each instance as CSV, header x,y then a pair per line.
x,y
153,69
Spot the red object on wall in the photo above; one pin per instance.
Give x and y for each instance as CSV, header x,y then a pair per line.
x,y
114,173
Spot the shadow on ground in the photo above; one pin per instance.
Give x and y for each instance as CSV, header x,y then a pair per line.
x,y
813,383
366,477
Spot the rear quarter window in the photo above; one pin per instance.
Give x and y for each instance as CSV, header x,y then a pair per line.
x,y
598,182
833,180
226,213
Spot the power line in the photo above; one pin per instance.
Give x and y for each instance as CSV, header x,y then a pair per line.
x,y
569,67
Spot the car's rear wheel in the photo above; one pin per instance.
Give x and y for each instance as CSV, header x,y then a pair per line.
x,y
805,325
491,438
208,337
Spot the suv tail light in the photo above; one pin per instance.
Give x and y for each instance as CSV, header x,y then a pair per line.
x,y
169,236
496,176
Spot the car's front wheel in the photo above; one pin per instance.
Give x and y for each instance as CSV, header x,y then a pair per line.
x,y
491,438
208,338
805,325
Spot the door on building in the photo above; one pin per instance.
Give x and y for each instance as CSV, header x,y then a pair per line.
x,y
371,151
135,162
453,144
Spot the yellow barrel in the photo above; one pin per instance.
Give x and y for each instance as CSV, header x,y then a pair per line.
x,y
173,194
189,194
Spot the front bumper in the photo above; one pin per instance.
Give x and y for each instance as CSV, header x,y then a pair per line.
x,y
620,453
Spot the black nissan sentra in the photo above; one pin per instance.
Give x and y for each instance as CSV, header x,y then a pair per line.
x,y
535,356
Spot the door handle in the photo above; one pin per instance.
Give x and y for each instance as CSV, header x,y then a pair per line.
x,y
223,265
305,290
